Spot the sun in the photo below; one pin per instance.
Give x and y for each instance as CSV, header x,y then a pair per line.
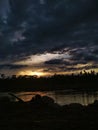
x,y
31,73
39,74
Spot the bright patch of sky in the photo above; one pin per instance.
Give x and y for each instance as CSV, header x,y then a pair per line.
x,y
36,59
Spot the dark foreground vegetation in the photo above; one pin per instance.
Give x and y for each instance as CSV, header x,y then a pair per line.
x,y
42,113
82,81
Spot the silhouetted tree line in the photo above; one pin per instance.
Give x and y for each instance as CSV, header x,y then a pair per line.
x,y
82,81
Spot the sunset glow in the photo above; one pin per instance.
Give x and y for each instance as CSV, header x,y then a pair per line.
x,y
31,73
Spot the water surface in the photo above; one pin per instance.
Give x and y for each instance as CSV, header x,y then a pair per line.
x,y
63,97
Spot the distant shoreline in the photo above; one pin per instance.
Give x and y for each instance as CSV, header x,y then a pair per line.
x,y
85,82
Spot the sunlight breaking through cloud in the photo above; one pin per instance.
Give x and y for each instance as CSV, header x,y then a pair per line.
x,y
37,59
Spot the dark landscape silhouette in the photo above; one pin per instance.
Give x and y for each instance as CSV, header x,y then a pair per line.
x,y
42,113
82,81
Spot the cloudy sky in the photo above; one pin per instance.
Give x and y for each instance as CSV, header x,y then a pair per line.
x,y
46,37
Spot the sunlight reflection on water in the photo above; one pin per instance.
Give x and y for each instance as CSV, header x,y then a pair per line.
x,y
63,97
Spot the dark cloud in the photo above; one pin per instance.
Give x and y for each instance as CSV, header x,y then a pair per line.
x,y
84,55
60,62
50,26
54,61
69,68
4,8
18,12
11,67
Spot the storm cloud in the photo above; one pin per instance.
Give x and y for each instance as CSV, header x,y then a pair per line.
x,y
11,66
29,27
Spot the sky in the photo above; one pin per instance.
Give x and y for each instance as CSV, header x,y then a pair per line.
x,y
46,37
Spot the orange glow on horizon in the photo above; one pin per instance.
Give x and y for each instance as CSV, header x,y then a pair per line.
x,y
40,73
31,73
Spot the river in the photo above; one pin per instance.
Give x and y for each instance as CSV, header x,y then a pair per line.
x,y
63,97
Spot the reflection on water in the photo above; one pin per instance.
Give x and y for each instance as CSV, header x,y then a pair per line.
x,y
64,97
